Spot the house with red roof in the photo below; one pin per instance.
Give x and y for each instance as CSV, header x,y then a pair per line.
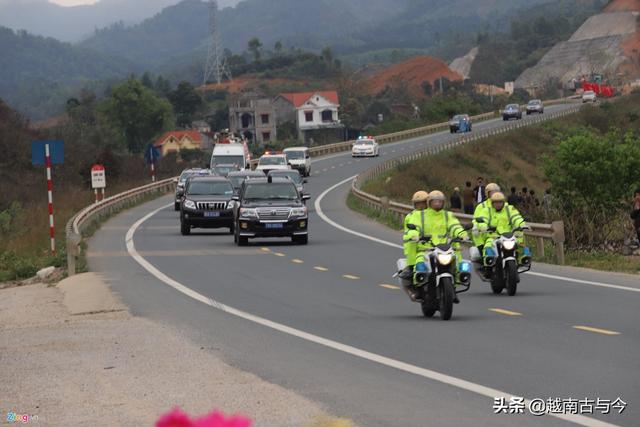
x,y
176,140
311,111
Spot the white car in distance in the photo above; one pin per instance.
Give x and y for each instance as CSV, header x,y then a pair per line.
x,y
365,147
589,96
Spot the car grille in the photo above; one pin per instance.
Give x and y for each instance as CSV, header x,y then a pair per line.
x,y
211,206
273,214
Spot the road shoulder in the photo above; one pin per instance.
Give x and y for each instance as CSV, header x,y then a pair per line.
x,y
76,346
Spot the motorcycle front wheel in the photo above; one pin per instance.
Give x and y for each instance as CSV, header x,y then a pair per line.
x,y
446,298
512,278
497,281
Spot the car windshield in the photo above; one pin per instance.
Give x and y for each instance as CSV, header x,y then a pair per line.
x,y
295,155
210,188
226,160
271,191
365,142
185,175
292,175
589,92
224,169
534,102
458,118
273,160
512,106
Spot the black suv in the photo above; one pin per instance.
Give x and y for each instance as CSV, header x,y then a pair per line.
x,y
270,207
206,203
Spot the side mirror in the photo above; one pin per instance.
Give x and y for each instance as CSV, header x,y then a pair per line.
x,y
306,197
412,227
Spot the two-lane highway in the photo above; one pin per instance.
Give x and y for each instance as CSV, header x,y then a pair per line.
x,y
328,320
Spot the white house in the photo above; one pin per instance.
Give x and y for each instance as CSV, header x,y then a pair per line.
x,y
313,110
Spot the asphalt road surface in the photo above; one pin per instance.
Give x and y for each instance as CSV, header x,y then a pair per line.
x,y
328,321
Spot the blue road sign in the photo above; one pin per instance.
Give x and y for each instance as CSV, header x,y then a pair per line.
x,y
56,151
151,154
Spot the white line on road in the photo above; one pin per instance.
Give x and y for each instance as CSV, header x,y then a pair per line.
x,y
326,219
354,351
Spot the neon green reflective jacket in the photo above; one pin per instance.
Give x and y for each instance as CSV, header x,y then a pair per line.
x,y
439,225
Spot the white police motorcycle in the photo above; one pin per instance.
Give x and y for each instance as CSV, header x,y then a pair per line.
x,y
437,277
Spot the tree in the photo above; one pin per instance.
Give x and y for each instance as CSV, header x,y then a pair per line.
x,y
162,86
592,175
137,113
278,48
186,101
146,80
254,47
327,54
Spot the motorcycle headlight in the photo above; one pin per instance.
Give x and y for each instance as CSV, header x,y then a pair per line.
x,y
445,258
248,213
189,204
509,244
299,211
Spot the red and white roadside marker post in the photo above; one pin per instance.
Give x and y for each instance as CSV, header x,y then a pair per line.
x,y
48,153
98,180
52,229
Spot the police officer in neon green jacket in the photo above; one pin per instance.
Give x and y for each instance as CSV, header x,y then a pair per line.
x,y
430,219
505,218
481,211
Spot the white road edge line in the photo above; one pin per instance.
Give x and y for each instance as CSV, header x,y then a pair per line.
x,y
329,221
363,354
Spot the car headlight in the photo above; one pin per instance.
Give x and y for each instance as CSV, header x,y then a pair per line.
x,y
230,204
299,211
509,244
189,204
445,259
248,213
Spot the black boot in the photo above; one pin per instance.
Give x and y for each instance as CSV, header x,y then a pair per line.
x,y
406,273
456,300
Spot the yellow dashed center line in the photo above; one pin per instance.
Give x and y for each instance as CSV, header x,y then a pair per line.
x,y
297,261
318,268
390,286
280,254
596,330
350,277
507,312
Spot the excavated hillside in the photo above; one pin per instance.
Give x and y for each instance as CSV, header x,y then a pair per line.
x,y
463,64
606,43
412,73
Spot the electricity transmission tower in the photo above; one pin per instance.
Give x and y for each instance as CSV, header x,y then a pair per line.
x,y
216,67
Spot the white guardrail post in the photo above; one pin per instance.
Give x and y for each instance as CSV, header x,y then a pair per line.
x,y
97,211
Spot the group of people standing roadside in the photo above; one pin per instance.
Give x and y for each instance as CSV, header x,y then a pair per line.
x,y
466,200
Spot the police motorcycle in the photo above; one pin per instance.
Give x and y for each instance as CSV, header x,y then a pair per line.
x,y
501,268
436,276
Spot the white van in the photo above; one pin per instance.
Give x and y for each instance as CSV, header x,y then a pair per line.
x,y
225,153
299,158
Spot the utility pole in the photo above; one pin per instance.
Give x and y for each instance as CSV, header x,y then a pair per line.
x,y
216,67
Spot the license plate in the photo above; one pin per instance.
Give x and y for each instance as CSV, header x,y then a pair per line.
x,y
211,214
273,226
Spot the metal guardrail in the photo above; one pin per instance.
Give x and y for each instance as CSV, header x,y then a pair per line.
x,y
553,232
88,216
338,147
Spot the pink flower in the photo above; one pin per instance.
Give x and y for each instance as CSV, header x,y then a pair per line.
x,y
177,418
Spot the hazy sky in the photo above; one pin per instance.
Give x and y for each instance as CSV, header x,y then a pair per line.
x,y
72,2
